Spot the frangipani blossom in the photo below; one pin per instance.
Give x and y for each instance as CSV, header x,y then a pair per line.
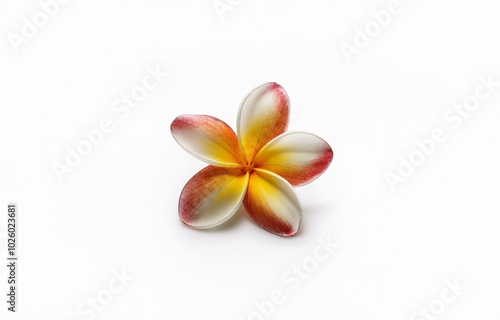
x,y
258,167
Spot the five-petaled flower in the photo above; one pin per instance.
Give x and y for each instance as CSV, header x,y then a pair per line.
x,y
257,167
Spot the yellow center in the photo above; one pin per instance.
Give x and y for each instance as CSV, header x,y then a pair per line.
x,y
248,167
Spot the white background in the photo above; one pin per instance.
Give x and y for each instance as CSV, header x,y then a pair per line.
x,y
117,209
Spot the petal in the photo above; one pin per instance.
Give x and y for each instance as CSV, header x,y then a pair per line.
x,y
208,139
299,157
263,115
212,196
272,204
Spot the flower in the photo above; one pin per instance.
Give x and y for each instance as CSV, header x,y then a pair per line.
x,y
257,168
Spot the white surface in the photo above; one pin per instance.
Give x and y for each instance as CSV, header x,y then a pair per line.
x,y
118,209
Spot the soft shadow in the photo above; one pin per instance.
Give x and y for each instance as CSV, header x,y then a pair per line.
x,y
315,209
314,214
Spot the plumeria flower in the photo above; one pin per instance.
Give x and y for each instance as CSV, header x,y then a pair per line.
x,y
258,167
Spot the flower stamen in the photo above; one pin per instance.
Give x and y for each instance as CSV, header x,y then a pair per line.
x,y
248,167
